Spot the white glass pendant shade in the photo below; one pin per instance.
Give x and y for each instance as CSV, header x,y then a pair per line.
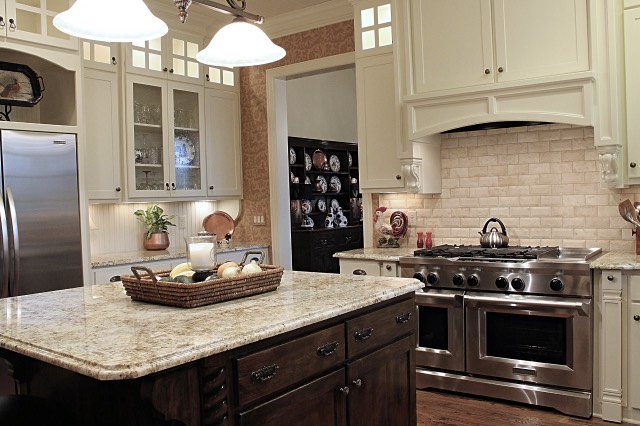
x,y
240,44
110,21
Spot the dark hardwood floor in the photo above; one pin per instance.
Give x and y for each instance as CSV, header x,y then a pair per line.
x,y
437,408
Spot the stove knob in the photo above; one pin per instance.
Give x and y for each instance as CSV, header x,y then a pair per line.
x,y
473,280
517,284
458,280
420,277
556,284
433,278
502,283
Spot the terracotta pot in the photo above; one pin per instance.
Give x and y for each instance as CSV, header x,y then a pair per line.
x,y
157,241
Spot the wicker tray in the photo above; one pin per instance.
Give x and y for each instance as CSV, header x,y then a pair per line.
x,y
146,287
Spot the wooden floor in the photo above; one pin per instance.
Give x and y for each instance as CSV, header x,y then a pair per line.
x,y
440,408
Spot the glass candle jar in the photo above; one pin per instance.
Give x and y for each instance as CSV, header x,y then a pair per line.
x,y
201,252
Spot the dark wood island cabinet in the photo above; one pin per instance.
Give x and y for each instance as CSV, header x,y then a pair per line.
x,y
354,366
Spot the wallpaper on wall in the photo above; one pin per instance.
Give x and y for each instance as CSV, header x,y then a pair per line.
x,y
309,45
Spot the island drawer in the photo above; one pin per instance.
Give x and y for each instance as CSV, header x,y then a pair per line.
x,y
379,327
280,366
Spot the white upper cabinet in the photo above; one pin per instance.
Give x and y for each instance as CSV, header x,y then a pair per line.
x,y
32,21
469,43
100,55
632,65
224,153
172,56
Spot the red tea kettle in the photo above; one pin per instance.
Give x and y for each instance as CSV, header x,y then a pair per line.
x,y
493,238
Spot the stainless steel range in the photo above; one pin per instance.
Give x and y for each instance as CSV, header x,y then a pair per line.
x,y
513,323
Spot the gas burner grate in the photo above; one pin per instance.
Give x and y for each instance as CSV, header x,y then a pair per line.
x,y
462,251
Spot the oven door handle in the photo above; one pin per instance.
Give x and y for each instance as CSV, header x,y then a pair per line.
x,y
581,307
458,297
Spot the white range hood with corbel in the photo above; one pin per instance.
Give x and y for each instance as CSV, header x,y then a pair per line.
x,y
493,60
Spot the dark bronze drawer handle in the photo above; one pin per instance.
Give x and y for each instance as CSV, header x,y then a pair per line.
x,y
328,349
264,374
403,318
363,334
359,272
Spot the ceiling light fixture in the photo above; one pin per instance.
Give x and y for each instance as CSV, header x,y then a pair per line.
x,y
238,44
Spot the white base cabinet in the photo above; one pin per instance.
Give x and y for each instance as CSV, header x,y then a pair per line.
x,y
376,268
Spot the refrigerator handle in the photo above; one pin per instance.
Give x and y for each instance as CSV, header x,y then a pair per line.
x,y
4,285
14,278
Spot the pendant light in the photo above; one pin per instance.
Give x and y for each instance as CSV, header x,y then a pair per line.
x,y
240,44
110,21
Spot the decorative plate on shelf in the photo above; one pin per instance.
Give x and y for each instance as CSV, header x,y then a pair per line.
x,y
307,180
334,204
307,162
335,184
305,206
321,205
185,151
320,160
334,163
292,176
350,159
292,156
220,224
321,184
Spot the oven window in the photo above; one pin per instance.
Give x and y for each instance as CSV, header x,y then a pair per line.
x,y
434,328
527,337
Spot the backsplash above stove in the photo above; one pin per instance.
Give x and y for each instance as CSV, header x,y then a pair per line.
x,y
542,181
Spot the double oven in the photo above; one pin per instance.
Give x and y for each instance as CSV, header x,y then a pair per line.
x,y
512,323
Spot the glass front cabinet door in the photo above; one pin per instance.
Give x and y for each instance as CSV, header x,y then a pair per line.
x,y
165,139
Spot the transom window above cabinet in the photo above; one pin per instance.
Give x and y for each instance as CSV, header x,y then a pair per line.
x,y
223,77
172,56
99,55
373,25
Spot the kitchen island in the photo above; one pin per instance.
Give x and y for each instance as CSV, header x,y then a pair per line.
x,y
294,353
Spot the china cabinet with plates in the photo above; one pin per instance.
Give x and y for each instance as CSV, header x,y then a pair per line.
x,y
326,213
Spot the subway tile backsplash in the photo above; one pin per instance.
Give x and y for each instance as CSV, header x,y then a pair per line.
x,y
543,182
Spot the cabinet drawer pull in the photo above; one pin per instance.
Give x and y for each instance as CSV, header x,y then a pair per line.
x,y
403,318
610,277
359,272
388,267
328,349
264,374
636,317
357,383
363,334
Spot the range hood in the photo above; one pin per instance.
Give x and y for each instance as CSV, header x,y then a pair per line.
x,y
496,125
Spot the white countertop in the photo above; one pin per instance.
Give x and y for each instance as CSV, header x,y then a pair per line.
x,y
617,260
99,332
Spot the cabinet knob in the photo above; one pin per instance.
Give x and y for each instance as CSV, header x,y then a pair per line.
x,y
207,77
12,24
165,69
636,317
173,186
359,272
388,267
118,189
632,165
610,277
211,187
166,186
171,71
500,69
398,177
344,390
487,71
357,383
2,23
114,61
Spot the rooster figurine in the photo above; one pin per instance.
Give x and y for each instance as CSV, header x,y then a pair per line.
x,y
389,234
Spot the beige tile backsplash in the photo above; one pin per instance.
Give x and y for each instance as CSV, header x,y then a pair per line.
x,y
543,182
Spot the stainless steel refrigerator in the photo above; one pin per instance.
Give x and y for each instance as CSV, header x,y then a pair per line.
x,y
40,214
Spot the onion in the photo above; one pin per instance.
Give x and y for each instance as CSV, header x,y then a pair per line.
x,y
251,268
230,272
226,265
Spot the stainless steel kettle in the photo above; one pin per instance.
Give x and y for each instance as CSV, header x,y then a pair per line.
x,y
493,238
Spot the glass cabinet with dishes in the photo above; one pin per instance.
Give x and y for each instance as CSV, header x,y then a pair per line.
x,y
326,203
165,138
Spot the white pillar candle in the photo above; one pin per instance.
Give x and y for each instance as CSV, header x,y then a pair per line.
x,y
201,256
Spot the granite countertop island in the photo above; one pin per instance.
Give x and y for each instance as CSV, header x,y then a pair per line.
x,y
617,260
99,332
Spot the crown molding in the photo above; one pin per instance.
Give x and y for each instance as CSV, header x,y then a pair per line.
x,y
327,13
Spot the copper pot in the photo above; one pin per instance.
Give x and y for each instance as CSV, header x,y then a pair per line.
x,y
157,241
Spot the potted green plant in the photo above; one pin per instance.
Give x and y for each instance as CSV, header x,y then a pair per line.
x,y
156,236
